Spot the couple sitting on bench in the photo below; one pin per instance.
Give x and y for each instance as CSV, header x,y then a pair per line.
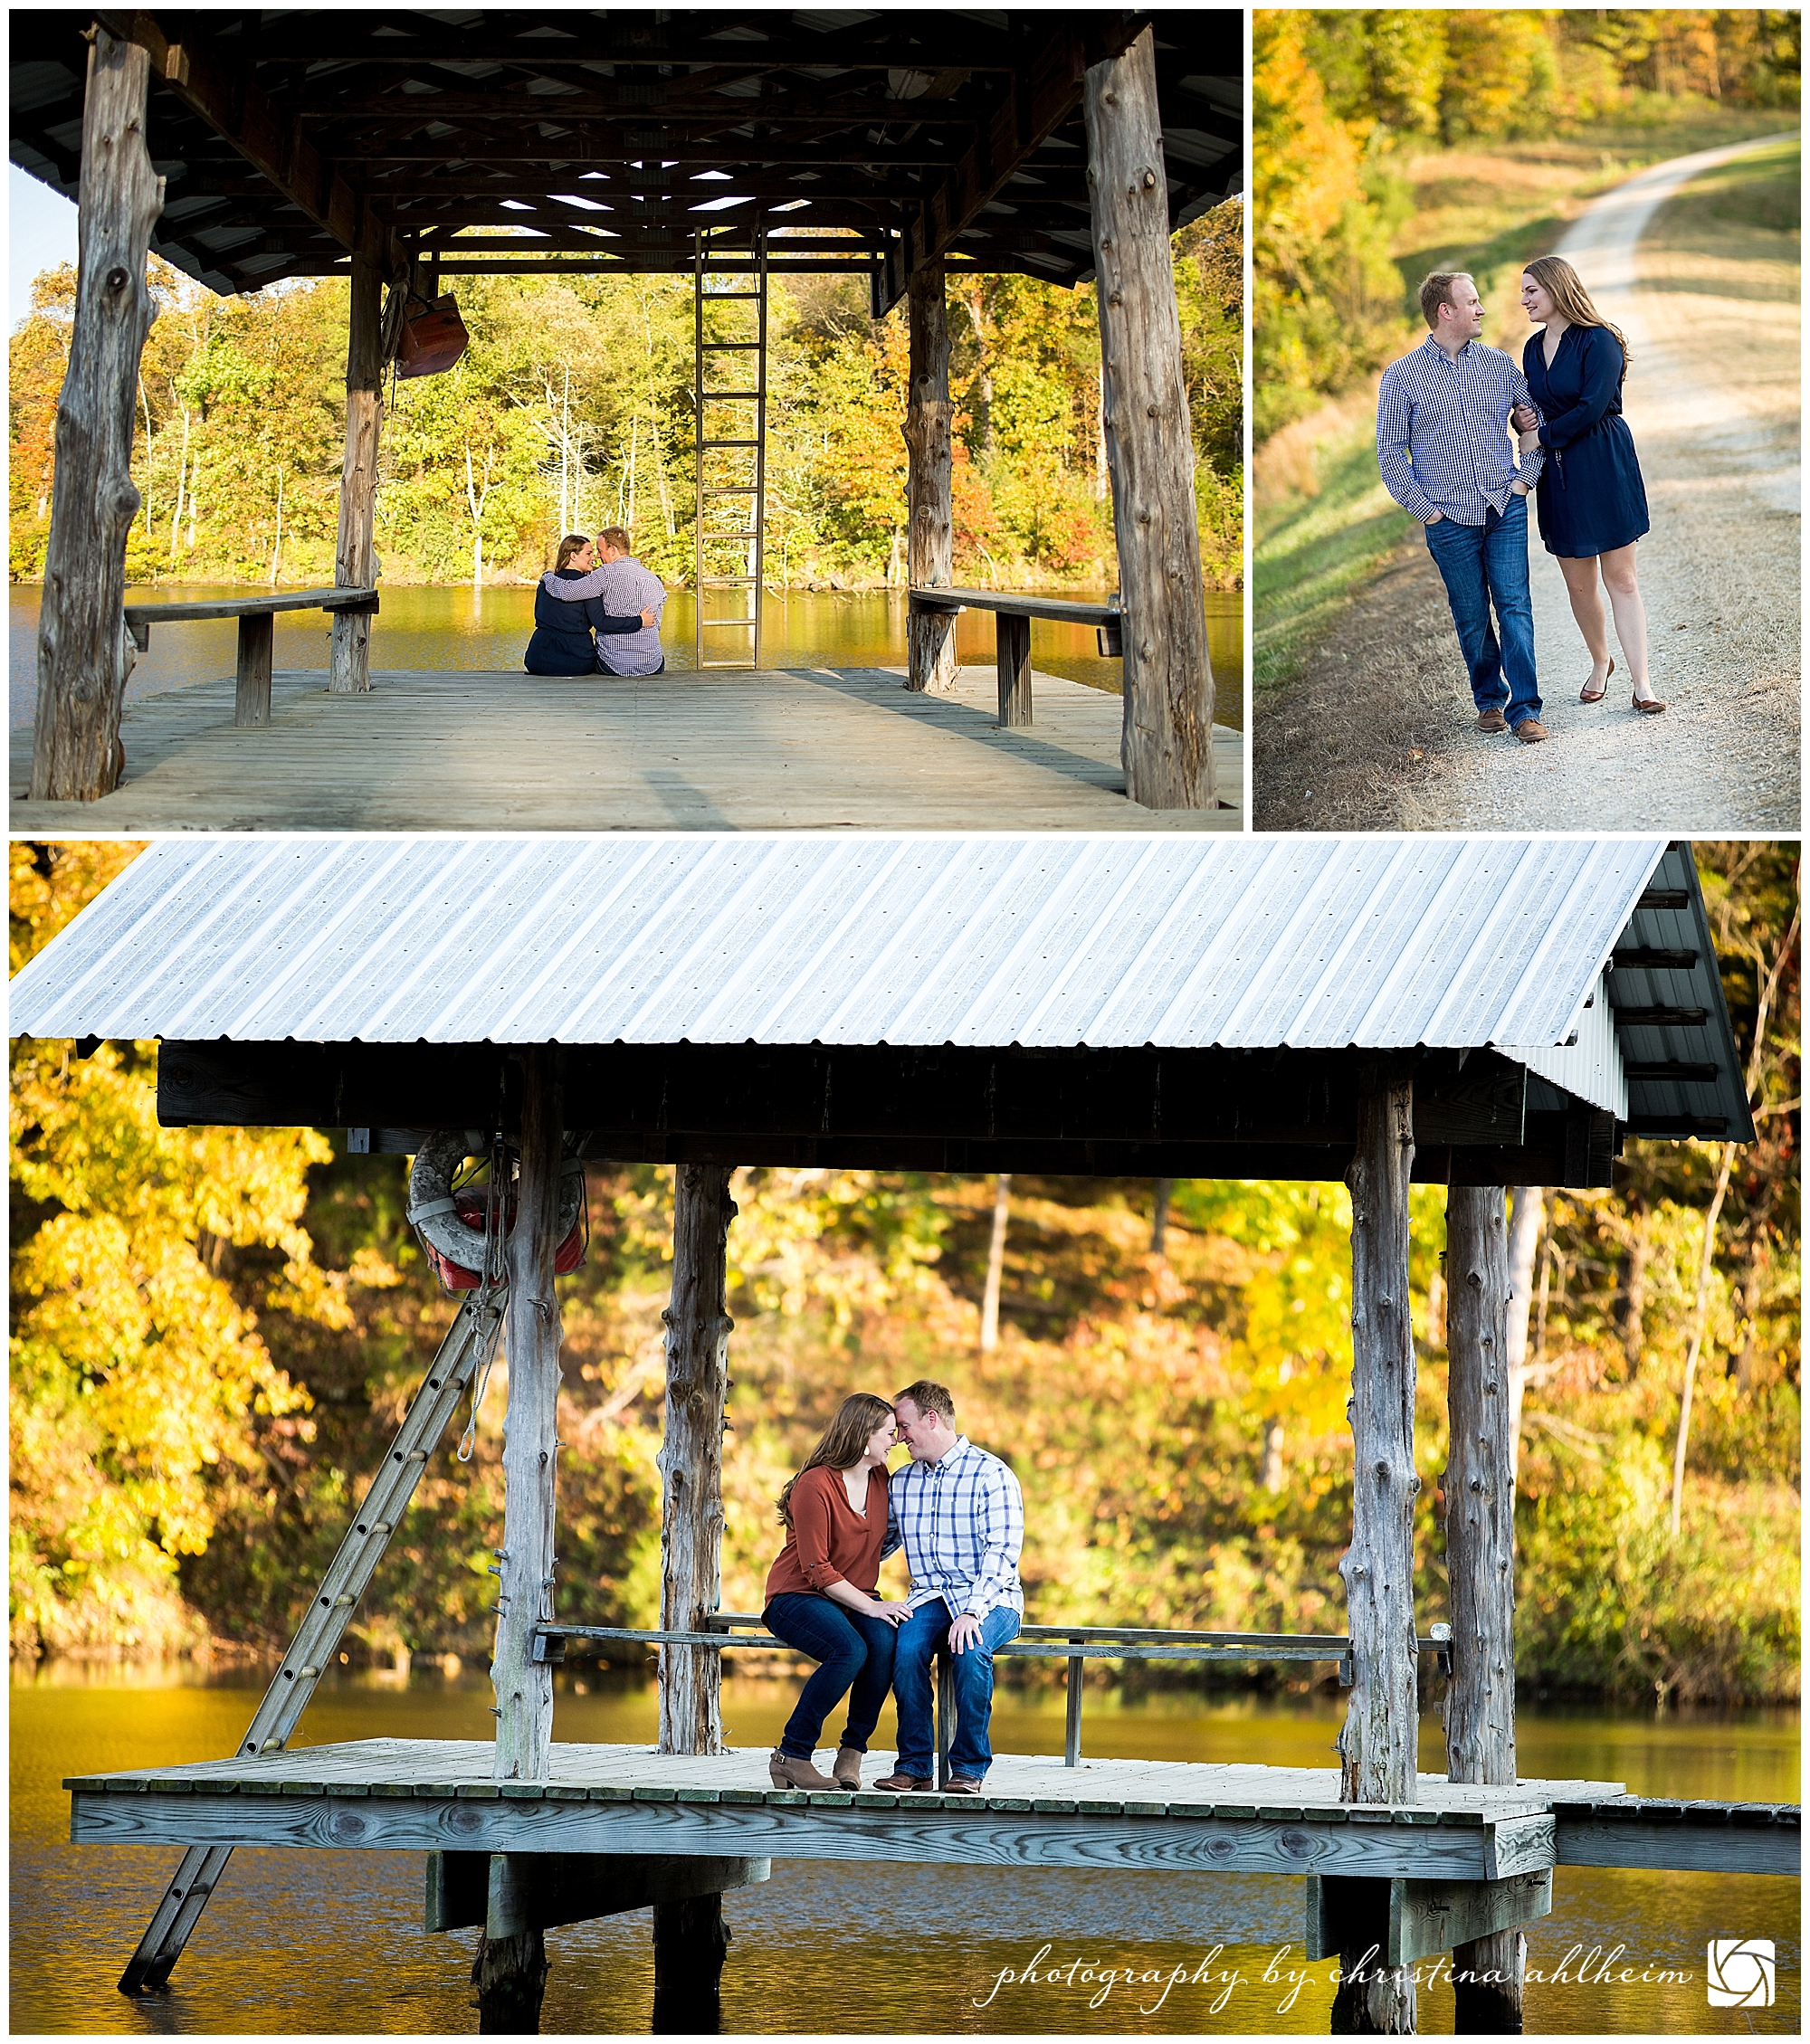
x,y
959,1515
606,592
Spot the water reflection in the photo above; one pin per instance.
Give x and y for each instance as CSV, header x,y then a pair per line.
x,y
458,628
324,1942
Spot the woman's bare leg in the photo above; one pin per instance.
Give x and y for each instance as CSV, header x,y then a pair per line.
x,y
1592,621
1624,599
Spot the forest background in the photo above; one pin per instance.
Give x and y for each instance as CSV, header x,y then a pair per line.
x,y
1389,143
215,1331
571,409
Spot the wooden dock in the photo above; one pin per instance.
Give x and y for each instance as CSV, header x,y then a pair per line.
x,y
797,749
438,1795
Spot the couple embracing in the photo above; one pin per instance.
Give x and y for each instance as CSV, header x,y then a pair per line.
x,y
597,611
959,1515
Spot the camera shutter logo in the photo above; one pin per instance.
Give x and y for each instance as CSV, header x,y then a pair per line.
x,y
1743,1973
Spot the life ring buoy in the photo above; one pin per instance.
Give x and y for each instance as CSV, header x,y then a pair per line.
x,y
452,1224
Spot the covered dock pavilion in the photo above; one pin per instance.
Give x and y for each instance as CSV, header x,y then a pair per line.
x,y
246,149
1381,1011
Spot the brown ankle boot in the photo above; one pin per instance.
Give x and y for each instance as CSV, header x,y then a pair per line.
x,y
847,1769
788,1772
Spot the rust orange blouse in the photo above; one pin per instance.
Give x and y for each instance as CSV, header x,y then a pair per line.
x,y
830,1541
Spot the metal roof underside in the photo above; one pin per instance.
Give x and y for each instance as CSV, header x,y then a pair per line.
x,y
605,132
1309,943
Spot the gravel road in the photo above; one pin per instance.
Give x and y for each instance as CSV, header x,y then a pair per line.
x,y
1712,400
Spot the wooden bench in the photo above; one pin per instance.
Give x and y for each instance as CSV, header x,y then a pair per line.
x,y
1013,617
257,634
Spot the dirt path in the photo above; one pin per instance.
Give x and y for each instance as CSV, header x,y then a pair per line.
x,y
1382,724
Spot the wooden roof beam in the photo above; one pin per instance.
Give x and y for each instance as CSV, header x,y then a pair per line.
x,y
839,109
571,154
227,96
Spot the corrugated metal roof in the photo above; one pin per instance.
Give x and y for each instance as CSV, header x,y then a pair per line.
x,y
1374,942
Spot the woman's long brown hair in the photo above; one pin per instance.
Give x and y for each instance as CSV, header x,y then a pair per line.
x,y
1563,285
844,1440
572,542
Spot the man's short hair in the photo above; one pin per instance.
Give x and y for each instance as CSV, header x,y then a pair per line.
x,y
616,538
928,1398
1438,291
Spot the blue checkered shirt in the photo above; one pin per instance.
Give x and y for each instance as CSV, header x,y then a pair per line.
x,y
1442,432
961,1522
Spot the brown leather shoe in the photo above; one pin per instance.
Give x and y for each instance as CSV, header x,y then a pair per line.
x,y
964,1784
788,1772
847,1769
1530,731
1491,720
1648,706
899,1783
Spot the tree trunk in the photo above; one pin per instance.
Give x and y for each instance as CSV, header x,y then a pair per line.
x,y
511,1974
1528,1218
1480,1559
1160,1213
355,559
692,1459
930,548
1380,1740
1167,743
1700,1322
996,1265
82,645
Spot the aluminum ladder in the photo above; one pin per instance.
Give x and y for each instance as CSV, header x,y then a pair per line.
x,y
470,1344
731,467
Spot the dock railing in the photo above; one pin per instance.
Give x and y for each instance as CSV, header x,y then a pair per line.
x,y
732,1631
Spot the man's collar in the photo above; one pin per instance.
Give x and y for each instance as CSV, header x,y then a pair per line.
x,y
1433,342
962,1447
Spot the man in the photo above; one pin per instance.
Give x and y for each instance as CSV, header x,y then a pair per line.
x,y
1442,445
622,586
959,1515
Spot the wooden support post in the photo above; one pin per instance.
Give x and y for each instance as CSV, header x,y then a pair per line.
x,y
257,644
510,1973
929,538
1378,1744
1488,1972
1168,742
83,651
691,1939
1014,671
1071,1728
355,560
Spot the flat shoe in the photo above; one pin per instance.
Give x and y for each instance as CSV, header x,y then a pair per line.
x,y
1491,720
1530,731
1650,708
1584,695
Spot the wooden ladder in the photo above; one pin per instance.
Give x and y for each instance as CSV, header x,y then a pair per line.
x,y
735,482
469,1343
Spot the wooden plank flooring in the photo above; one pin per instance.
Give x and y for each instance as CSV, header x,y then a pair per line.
x,y
824,749
438,1794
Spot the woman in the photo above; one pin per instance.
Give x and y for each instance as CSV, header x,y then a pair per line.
x,y
561,644
820,1591
1591,501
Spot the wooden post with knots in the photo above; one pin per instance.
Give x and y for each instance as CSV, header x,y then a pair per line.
x,y
355,557
83,652
691,1939
1489,1973
1378,1744
929,538
1167,745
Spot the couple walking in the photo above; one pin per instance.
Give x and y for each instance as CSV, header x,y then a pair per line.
x,y
958,1513
1443,419
603,590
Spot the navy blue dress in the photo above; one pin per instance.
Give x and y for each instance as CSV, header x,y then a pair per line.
x,y
561,644
1590,496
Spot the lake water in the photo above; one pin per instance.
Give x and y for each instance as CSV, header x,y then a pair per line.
x,y
489,628
327,1942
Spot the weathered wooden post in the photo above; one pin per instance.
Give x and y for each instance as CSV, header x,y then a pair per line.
x,y
511,1971
1167,741
355,559
1379,1742
83,652
929,554
691,1939
1480,1559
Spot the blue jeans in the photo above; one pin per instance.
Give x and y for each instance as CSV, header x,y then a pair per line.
x,y
1485,564
856,1654
925,1630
